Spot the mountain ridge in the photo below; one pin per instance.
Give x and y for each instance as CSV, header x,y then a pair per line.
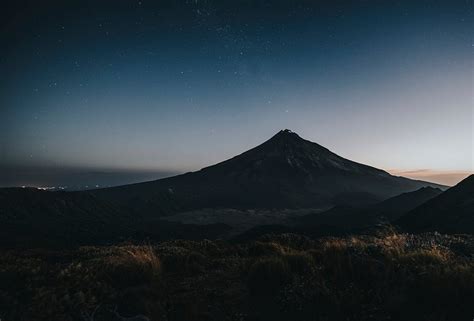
x,y
286,171
451,211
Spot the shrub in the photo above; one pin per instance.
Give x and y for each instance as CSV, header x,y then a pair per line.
x,y
268,276
336,259
265,249
300,262
432,256
184,261
393,245
444,292
290,240
133,265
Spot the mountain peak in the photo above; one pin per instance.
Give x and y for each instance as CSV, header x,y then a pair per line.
x,y
286,132
286,135
286,140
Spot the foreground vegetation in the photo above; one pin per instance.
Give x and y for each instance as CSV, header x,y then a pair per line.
x,y
385,276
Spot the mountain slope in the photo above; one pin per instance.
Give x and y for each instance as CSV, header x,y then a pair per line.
x,y
29,216
284,172
35,218
398,205
345,218
450,212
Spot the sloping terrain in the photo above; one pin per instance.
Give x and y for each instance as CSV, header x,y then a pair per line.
x,y
284,172
401,204
341,220
358,217
36,218
450,212
30,216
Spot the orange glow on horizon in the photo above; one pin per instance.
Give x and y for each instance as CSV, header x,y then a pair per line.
x,y
449,178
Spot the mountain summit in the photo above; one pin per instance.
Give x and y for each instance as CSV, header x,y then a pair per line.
x,y
287,141
286,171
295,152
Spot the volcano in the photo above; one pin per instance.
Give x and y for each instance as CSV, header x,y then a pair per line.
x,y
286,171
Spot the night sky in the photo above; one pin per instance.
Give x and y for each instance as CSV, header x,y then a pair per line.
x,y
109,92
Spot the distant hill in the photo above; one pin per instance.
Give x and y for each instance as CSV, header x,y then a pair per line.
x,y
286,171
398,205
450,212
35,218
30,214
348,218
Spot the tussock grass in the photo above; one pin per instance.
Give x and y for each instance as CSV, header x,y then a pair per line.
x,y
132,265
268,275
259,248
385,276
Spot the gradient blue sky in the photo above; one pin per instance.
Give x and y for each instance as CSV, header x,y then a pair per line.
x,y
176,86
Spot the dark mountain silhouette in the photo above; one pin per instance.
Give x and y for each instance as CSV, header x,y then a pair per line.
x,y
450,212
349,218
284,172
398,205
31,217
343,219
31,214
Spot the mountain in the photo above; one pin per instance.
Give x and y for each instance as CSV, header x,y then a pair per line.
x,y
341,220
28,214
30,217
398,205
286,171
347,218
450,212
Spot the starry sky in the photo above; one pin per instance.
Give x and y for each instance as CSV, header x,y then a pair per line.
x,y
110,92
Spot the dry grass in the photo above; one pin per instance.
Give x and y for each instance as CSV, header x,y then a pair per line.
x,y
285,277
133,265
393,244
435,255
268,275
260,248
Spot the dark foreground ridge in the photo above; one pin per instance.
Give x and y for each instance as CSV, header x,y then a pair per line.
x,y
387,276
